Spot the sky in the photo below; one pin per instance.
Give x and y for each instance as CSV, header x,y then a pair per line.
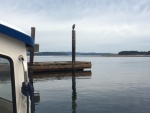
x,y
103,26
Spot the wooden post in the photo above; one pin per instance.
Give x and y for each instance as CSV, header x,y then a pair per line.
x,y
74,94
73,62
32,49
31,68
31,56
73,47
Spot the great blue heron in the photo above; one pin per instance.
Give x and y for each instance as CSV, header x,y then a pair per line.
x,y
73,27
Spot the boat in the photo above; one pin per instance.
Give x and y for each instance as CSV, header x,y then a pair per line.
x,y
16,92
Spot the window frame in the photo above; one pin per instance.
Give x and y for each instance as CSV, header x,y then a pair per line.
x,y
12,81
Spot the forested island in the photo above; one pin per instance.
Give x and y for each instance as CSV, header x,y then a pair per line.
x,y
134,53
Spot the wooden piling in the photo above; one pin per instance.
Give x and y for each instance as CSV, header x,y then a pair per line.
x,y
32,48
74,94
73,47
31,67
31,55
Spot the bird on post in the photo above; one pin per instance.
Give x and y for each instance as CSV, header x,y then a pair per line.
x,y
73,27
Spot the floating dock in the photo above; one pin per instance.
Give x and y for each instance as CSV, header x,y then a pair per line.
x,y
59,66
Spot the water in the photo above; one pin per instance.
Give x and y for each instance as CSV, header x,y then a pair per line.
x,y
117,85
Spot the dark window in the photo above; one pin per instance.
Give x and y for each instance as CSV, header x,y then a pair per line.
x,y
7,87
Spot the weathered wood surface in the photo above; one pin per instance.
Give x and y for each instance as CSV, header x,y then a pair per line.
x,y
59,66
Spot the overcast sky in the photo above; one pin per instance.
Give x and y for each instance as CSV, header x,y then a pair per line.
x,y
101,25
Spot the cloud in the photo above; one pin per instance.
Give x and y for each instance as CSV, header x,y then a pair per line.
x,y
101,25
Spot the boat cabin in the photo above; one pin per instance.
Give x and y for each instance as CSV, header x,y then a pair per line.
x,y
13,68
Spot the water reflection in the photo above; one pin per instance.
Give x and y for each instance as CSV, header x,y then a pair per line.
x,y
5,77
37,77
74,93
37,98
5,82
61,75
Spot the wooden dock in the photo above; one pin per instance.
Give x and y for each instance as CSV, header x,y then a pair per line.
x,y
59,66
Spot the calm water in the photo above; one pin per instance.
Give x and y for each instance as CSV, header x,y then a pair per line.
x,y
117,85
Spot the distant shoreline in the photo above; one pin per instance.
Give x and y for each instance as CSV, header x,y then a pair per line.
x,y
115,55
87,54
101,55
125,55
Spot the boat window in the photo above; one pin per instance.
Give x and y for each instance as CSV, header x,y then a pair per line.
x,y
6,98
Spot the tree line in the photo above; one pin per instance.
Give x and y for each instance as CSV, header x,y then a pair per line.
x,y
134,53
